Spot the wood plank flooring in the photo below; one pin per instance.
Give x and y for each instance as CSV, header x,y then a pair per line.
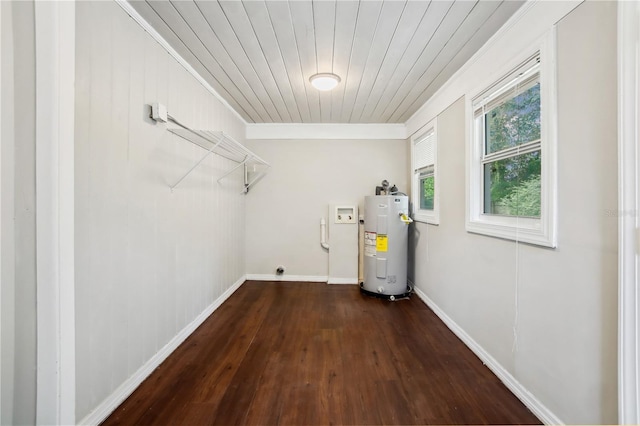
x,y
317,354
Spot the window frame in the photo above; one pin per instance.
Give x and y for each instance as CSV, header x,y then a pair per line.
x,y
538,231
425,215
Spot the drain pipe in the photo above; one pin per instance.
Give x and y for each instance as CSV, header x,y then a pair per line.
x,y
323,234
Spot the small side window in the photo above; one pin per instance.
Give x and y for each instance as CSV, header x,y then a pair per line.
x,y
425,176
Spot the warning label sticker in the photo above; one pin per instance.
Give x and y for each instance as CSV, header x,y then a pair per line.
x,y
381,243
370,244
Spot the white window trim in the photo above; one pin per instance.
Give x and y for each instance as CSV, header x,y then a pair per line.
x,y
421,215
55,293
628,207
534,231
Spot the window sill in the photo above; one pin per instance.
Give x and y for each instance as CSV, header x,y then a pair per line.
x,y
431,219
525,230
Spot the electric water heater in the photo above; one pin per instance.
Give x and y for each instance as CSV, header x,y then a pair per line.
x,y
386,227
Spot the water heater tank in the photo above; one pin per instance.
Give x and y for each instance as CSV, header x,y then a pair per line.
x,y
386,246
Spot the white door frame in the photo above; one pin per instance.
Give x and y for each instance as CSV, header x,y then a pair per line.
x,y
0,202
629,212
55,106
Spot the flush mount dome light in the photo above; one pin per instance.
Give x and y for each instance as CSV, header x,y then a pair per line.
x,y
324,81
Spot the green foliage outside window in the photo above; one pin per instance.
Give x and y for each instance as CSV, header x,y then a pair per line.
x,y
427,193
524,199
513,183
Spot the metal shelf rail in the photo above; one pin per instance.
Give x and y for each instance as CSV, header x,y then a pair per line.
x,y
217,142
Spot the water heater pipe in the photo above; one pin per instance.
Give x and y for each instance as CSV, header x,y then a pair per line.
x,y
323,234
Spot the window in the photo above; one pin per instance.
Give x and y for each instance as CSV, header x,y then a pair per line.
x,y
508,123
426,188
425,182
512,161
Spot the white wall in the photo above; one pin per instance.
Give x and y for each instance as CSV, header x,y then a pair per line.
x,y
284,209
7,231
148,261
18,215
547,317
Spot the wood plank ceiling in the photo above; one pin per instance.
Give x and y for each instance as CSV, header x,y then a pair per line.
x,y
391,56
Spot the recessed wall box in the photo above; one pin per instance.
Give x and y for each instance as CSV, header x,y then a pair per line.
x,y
345,214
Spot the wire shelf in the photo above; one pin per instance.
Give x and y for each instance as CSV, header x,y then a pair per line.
x,y
219,143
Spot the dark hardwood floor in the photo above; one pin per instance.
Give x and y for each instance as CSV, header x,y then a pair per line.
x,y
317,354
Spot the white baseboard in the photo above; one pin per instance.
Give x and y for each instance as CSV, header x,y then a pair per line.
x,y
540,410
273,277
102,411
342,280
302,278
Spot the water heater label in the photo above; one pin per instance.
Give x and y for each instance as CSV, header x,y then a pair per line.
x,y
381,243
370,244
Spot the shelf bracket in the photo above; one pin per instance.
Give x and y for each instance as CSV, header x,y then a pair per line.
x,y
247,185
229,148
234,169
197,164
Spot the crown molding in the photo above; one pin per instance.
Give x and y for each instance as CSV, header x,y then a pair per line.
x,y
325,131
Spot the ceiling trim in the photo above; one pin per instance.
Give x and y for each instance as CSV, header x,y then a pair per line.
x,y
325,131
157,37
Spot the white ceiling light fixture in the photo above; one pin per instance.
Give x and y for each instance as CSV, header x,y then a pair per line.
x,y
324,81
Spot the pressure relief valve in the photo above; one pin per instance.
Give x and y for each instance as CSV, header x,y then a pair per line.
x,y
406,219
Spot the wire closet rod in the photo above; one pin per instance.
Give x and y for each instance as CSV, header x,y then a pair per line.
x,y
219,143
235,147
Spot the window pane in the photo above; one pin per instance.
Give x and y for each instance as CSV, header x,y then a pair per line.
x,y
426,192
425,150
514,122
512,186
